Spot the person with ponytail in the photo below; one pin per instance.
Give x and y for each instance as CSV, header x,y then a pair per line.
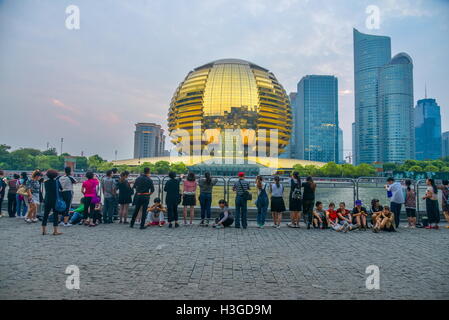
x,y
277,201
295,200
432,207
206,185
226,218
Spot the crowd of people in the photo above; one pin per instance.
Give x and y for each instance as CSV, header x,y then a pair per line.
x,y
55,192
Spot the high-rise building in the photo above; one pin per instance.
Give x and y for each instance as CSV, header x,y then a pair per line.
x,y
354,144
316,121
396,129
340,146
149,141
371,52
428,130
383,101
445,144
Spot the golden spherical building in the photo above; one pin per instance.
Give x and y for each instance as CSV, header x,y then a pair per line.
x,y
229,96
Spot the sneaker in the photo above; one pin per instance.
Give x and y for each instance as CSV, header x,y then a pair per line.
x,y
207,223
176,225
290,225
61,224
170,225
68,224
261,226
202,223
218,226
278,226
28,220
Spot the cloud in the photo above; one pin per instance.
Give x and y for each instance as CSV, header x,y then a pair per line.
x,y
345,92
68,119
61,105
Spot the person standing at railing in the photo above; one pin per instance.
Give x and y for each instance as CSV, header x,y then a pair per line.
x,y
172,198
206,185
432,207
51,188
396,195
242,195
109,188
277,201
12,195
410,204
144,189
261,201
445,199
189,196
67,181
295,200
22,207
125,193
309,188
90,192
2,190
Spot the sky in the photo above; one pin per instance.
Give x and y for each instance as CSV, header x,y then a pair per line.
x,y
122,66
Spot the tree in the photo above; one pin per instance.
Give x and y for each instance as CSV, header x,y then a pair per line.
x,y
50,152
95,161
331,169
162,167
416,169
178,167
431,168
364,170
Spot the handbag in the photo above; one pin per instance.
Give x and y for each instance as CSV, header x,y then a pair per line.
x,y
246,194
60,205
296,194
22,190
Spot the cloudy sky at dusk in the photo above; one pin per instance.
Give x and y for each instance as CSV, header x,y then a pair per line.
x,y
92,85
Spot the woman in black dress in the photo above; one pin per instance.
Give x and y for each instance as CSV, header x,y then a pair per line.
x,y
295,200
172,199
124,196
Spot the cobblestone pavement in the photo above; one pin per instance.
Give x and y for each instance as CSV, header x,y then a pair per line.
x,y
117,262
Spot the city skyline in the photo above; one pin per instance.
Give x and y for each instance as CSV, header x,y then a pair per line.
x,y
127,63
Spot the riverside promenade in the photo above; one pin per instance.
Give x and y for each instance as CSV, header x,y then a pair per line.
x,y
193,262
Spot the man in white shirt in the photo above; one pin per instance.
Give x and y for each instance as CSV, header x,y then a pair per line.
x,y
396,195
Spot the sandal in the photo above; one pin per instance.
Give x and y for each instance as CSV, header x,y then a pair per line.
x,y
57,233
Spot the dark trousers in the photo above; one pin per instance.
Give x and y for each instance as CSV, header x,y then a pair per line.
x,y
2,196
241,210
67,197
205,202
307,207
12,204
396,209
109,208
89,209
172,211
47,210
142,202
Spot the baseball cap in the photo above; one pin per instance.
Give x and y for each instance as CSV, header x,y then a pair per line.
x,y
241,174
358,202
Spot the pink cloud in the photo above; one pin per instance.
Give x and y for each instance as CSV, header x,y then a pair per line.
x,y
153,115
61,105
68,119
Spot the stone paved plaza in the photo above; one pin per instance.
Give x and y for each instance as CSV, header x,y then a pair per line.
x,y
117,262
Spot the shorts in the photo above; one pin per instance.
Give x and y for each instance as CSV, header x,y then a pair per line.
x,y
411,213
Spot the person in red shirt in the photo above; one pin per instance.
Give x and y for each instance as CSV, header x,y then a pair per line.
x,y
345,216
333,219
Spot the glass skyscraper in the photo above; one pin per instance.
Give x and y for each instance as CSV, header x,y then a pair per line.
x,y
428,130
370,54
384,129
396,129
316,119
445,144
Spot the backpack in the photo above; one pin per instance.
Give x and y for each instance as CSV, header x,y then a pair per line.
x,y
296,193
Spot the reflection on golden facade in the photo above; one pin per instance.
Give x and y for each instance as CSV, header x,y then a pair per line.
x,y
234,95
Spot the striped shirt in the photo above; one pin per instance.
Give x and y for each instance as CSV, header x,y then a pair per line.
x,y
241,186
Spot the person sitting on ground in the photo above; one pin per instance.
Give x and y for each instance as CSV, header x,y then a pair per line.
x,y
76,216
359,214
226,218
156,213
319,216
376,210
346,217
385,221
334,218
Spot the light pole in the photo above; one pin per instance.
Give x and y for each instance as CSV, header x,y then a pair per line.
x,y
62,142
